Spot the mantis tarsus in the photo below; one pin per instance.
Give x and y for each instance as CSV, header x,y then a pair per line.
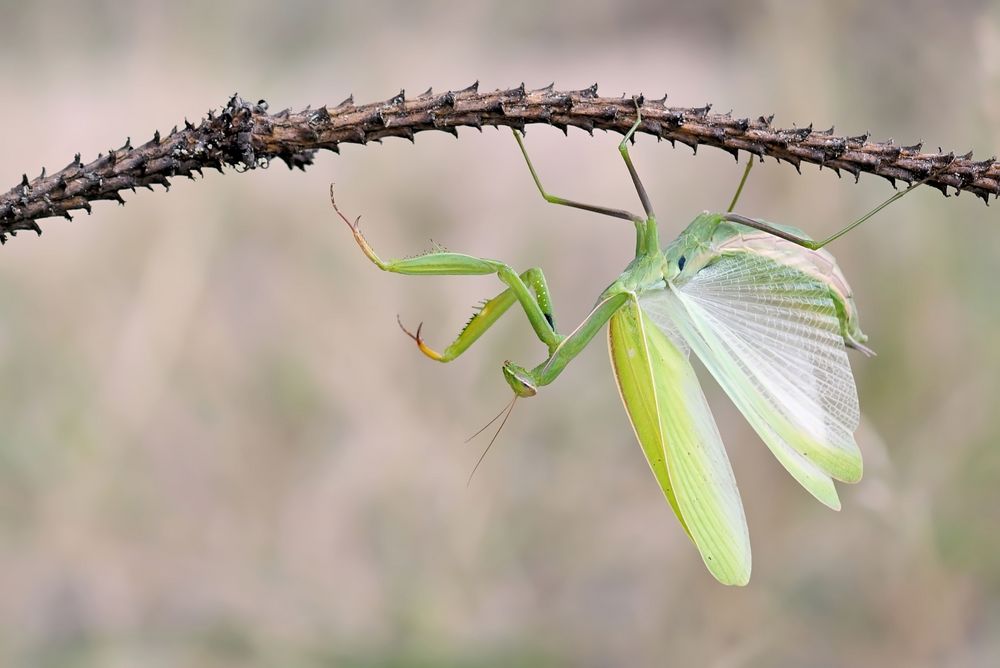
x,y
767,311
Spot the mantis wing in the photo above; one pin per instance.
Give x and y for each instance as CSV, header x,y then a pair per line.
x,y
678,435
771,336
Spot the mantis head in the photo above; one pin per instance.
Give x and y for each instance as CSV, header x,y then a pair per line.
x,y
519,380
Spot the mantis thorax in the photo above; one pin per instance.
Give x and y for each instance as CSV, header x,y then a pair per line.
x,y
692,249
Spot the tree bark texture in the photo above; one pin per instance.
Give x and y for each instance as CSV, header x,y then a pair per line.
x,y
246,136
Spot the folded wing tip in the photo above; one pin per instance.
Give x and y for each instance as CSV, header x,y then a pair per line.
x,y
733,578
852,472
730,563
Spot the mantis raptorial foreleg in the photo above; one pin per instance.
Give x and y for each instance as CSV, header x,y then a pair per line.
x,y
528,288
487,314
525,382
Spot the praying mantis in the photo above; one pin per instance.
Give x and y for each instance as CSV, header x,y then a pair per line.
x,y
764,307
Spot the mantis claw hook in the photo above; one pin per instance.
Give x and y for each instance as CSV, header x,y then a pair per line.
x,y
424,348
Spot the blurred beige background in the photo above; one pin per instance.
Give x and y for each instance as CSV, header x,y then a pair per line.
x,y
217,449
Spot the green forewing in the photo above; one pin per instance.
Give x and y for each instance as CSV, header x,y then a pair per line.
x,y
630,359
675,428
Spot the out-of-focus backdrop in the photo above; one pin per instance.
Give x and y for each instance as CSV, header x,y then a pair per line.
x,y
217,448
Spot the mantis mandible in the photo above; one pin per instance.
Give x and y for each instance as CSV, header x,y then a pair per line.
x,y
763,306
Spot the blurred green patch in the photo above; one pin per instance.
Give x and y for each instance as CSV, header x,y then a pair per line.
x,y
967,516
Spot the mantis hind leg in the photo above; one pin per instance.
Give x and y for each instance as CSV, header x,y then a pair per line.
x,y
739,188
529,289
809,243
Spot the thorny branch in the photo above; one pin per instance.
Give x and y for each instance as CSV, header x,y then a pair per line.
x,y
246,136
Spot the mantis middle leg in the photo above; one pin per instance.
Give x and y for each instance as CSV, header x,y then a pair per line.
x,y
646,234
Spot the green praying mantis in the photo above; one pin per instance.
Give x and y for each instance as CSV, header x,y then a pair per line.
x,y
764,307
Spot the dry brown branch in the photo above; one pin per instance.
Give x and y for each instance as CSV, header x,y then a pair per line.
x,y
246,136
